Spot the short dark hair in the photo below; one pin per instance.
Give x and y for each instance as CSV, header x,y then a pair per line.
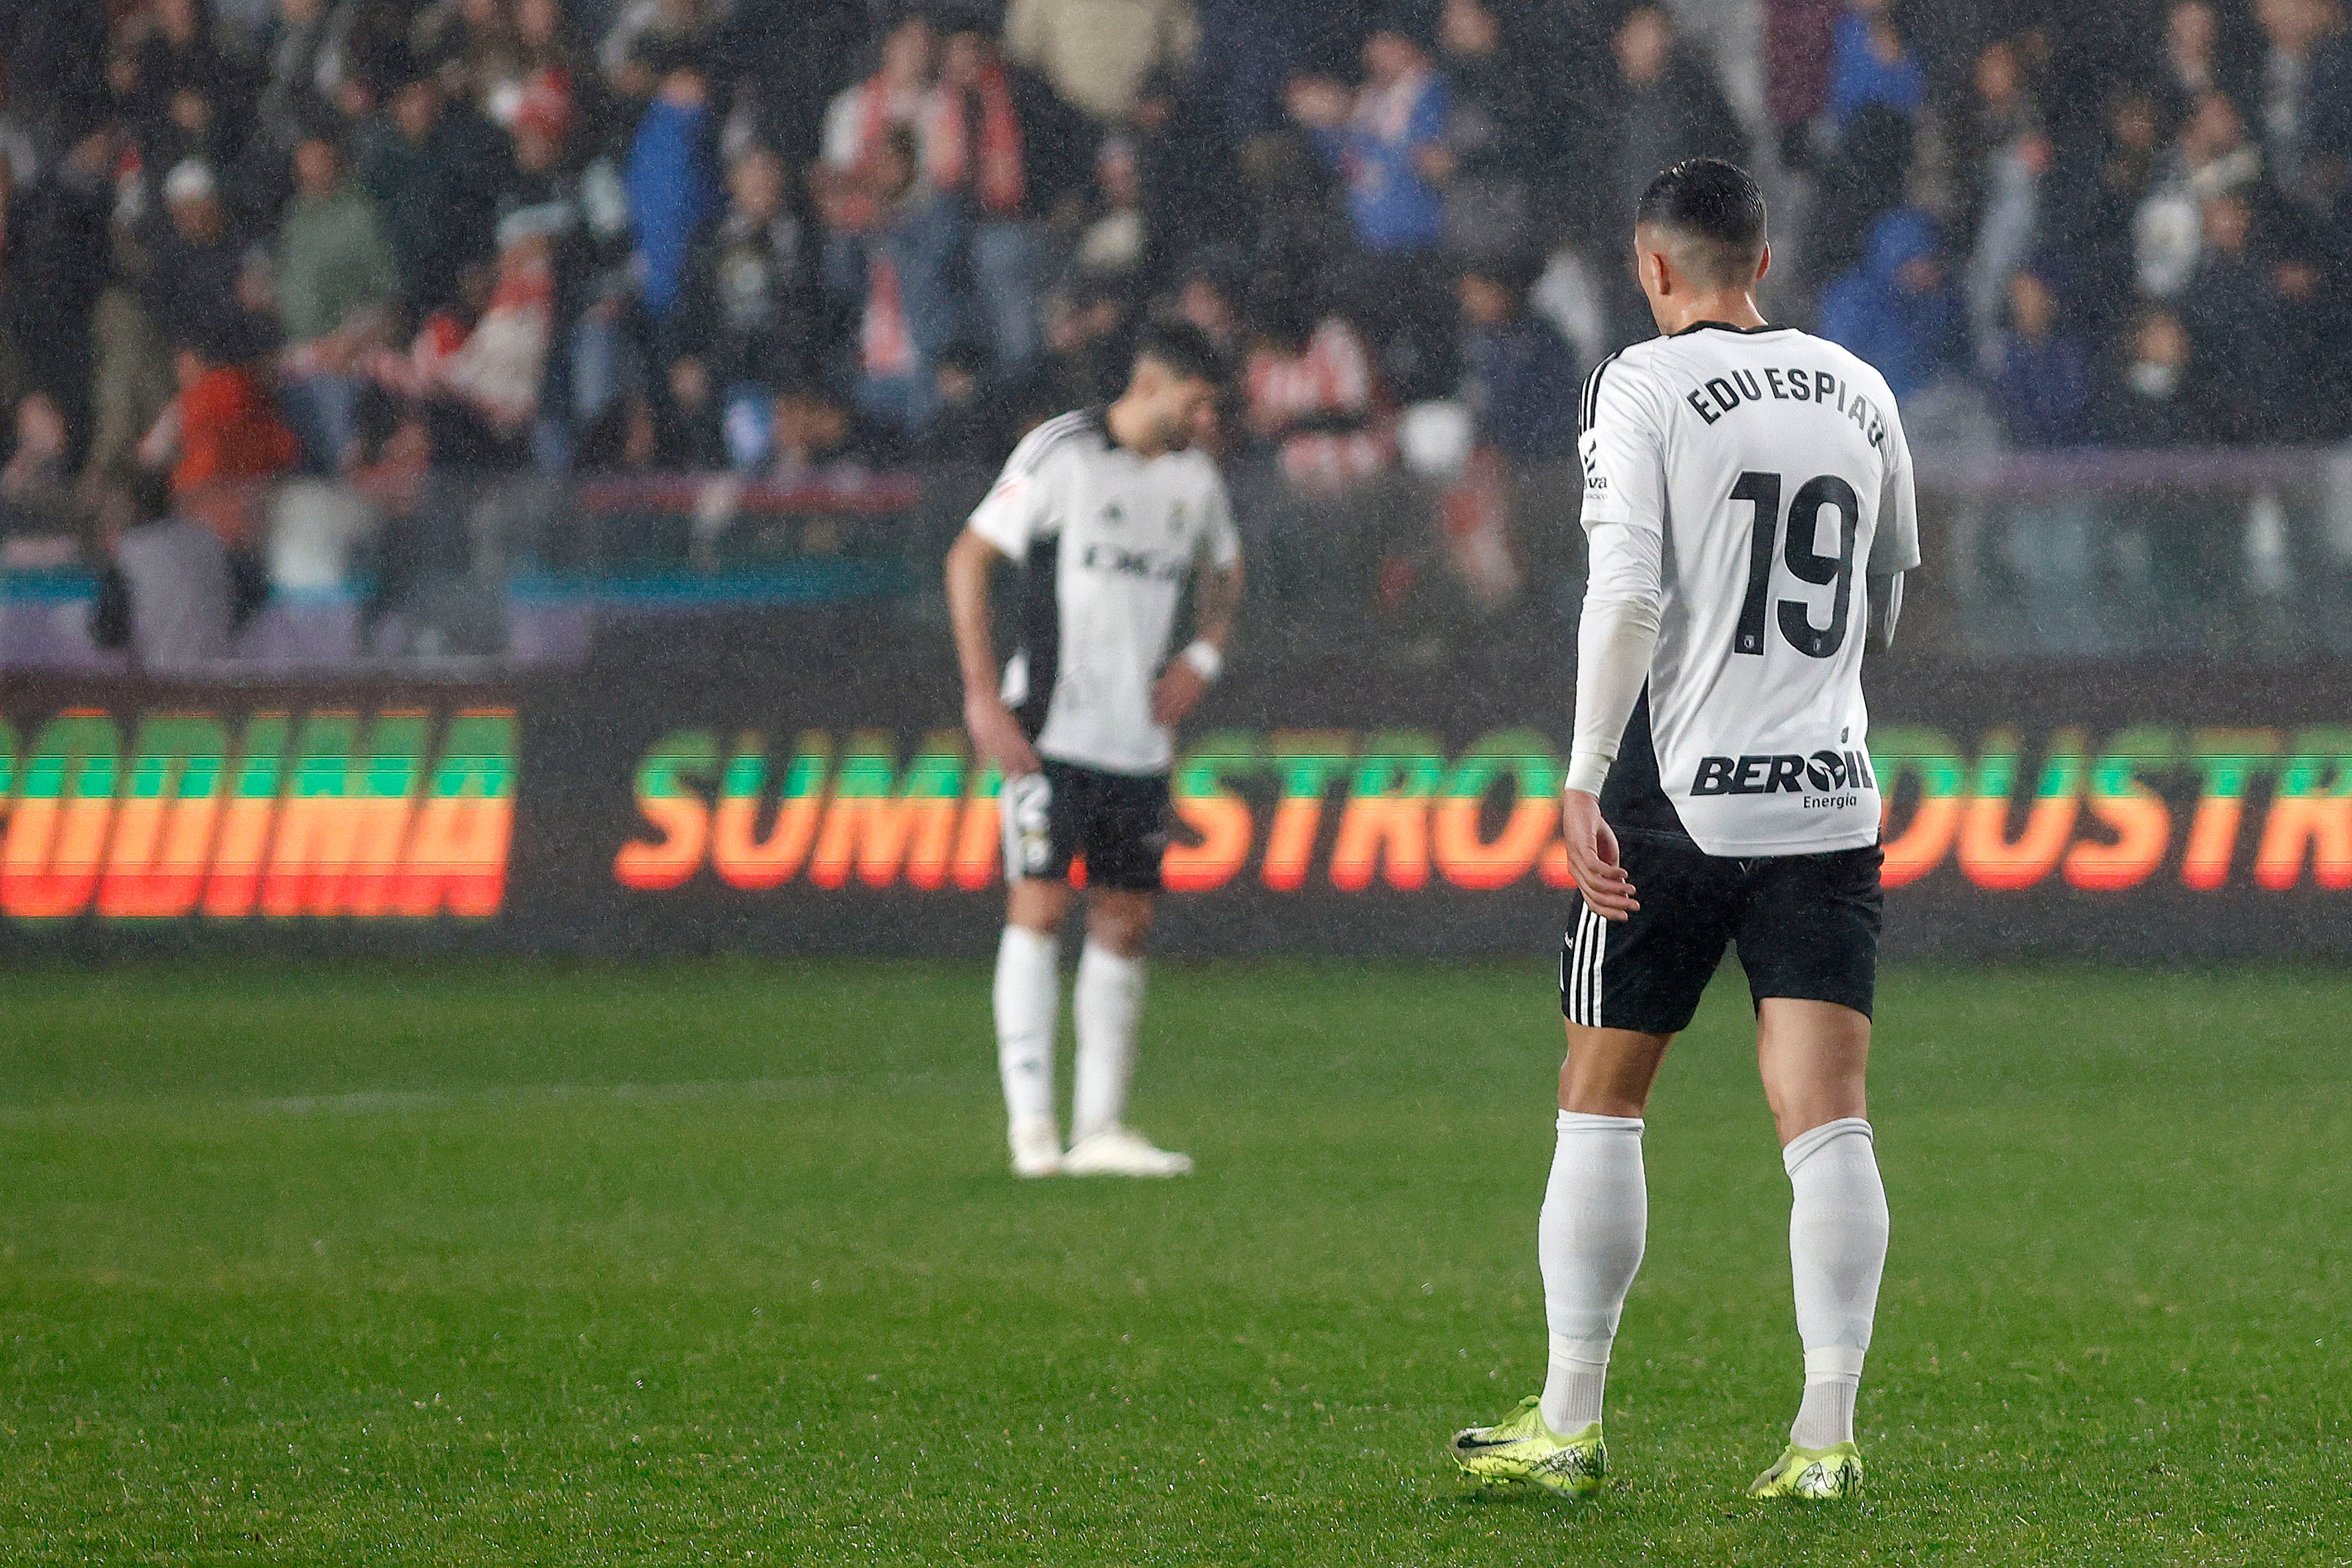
x,y
1184,348
1716,204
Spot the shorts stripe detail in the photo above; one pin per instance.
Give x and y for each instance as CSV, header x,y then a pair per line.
x,y
1584,969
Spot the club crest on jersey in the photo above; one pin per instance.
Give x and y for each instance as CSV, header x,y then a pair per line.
x,y
1826,773
1114,512
1176,514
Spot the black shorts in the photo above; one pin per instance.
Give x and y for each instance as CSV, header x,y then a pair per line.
x,y
1806,927
1117,821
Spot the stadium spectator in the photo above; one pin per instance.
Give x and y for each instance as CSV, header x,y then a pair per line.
x,y
408,166
1386,142
2191,541
205,280
896,257
1314,395
1862,180
2192,65
336,275
1669,106
2212,157
170,592
976,149
2306,99
2010,154
496,372
2103,199
2248,318
753,318
1113,243
1099,52
671,190
2043,393
1897,309
897,93
1870,62
1491,147
223,430
1521,377
41,512
56,246
1190,187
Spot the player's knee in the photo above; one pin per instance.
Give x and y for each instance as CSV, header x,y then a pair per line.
x,y
1118,925
1038,906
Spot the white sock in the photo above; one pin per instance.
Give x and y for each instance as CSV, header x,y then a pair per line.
x,y
1028,998
1596,1213
1107,1000
1837,1250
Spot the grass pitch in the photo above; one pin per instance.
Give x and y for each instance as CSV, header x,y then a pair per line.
x,y
384,1263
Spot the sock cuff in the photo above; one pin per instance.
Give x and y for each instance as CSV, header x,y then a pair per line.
x,y
1583,1121
1591,1354
1806,1144
1093,956
1021,940
1832,1364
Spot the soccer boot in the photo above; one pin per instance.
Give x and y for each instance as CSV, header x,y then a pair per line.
x,y
1036,1148
1122,1151
1814,1474
1520,1447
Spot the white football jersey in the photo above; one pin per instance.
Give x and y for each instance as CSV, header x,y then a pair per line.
x,y
1771,465
1108,540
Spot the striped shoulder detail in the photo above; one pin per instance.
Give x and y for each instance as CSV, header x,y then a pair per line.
x,y
1591,410
1034,447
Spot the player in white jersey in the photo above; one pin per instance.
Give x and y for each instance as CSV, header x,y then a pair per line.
x,y
1110,515
1747,499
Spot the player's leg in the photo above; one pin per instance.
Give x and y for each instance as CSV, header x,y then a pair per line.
x,y
1040,838
1811,950
1108,1004
1124,842
1596,1211
1028,1006
1627,989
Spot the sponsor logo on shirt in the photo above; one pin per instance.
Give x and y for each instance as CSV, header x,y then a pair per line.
x,y
1144,564
1826,773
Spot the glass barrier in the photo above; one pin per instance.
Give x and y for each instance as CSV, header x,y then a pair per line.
x,y
2234,556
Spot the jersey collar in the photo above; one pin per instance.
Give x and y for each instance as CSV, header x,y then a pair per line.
x,y
1726,327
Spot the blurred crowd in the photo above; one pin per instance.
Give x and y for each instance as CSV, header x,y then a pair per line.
x,y
362,238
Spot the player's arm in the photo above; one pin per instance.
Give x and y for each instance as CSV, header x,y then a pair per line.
x,y
995,733
1216,600
1895,545
1625,519
1002,527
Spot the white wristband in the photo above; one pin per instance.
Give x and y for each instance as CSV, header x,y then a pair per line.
x,y
1206,661
1587,771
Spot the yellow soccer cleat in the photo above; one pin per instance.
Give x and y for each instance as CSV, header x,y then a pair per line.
x,y
1816,1475
1520,1447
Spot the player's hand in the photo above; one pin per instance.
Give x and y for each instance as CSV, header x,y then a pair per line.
x,y
1593,856
1177,692
997,736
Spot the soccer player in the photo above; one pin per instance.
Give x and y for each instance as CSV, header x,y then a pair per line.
x,y
1747,499
1109,513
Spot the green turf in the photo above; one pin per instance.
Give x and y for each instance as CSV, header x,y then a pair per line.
x,y
379,1262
